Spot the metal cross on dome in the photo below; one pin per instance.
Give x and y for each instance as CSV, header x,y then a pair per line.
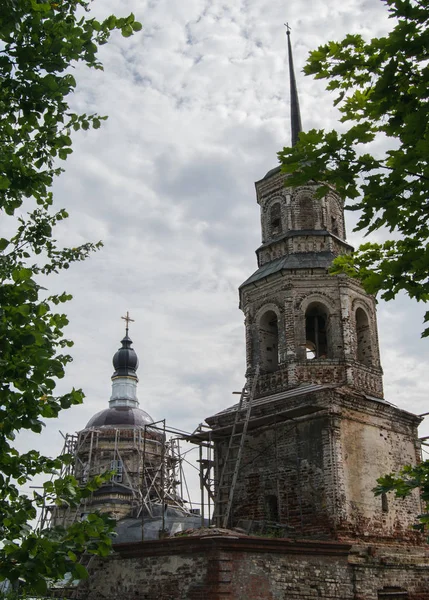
x,y
288,29
127,319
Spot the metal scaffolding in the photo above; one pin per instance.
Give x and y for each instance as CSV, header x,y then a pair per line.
x,y
147,470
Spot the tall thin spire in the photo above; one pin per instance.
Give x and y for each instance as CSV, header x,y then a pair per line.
x,y
295,115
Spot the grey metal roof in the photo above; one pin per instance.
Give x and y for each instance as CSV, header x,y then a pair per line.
x,y
272,172
381,400
300,390
300,260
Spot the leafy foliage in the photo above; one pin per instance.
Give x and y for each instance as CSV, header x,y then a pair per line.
x,y
404,483
381,89
39,43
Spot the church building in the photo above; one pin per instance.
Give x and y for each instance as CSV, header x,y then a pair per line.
x,y
319,432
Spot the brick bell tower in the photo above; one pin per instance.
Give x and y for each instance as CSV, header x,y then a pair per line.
x,y
318,432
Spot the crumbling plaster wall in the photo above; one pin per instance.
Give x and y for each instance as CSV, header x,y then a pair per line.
x,y
371,443
322,468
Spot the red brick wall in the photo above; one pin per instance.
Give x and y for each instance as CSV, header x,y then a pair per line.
x,y
228,568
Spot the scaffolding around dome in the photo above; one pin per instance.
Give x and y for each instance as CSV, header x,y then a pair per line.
x,y
147,484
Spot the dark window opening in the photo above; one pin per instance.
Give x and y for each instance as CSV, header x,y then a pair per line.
x,y
271,508
363,338
268,342
275,220
384,503
316,333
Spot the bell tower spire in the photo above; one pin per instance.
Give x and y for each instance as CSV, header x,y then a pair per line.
x,y
304,325
317,432
295,114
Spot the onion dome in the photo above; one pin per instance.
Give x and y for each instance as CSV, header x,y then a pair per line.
x,y
125,361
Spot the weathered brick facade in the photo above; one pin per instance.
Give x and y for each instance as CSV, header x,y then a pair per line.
x,y
228,568
320,432
311,458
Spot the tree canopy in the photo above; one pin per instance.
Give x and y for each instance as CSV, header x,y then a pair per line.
x,y
381,90
40,42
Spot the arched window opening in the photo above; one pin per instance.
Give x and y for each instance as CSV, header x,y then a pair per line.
x,y
276,220
268,342
307,213
363,338
316,335
271,508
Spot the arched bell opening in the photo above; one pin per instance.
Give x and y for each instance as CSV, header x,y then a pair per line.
x,y
269,342
364,352
316,331
276,226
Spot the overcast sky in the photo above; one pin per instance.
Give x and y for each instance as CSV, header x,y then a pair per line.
x,y
198,106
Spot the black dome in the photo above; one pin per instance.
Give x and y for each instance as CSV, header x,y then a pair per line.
x,y
120,415
125,361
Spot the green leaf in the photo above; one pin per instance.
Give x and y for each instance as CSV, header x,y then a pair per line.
x,y
4,243
24,309
80,572
23,274
4,182
40,586
44,7
72,556
127,31
111,22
